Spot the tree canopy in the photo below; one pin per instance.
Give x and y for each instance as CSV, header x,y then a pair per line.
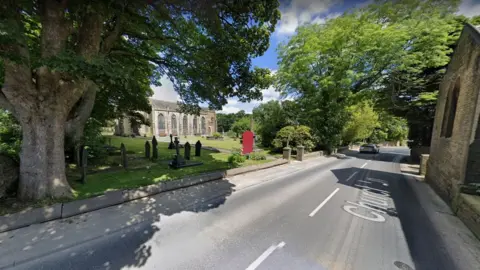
x,y
395,50
241,125
58,57
361,123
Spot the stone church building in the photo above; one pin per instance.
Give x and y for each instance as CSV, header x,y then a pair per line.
x,y
165,119
455,147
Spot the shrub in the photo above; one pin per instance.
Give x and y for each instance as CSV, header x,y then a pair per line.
x,y
94,140
217,135
295,135
257,156
10,135
236,157
231,134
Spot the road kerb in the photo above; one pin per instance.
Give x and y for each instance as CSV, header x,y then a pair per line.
x,y
64,210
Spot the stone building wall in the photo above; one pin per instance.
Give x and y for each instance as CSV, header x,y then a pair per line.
x,y
173,122
456,122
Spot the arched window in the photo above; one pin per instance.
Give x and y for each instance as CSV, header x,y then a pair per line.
x,y
174,125
185,125
195,125
450,111
204,126
161,124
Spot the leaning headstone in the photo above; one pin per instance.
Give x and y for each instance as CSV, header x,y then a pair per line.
x,y
83,163
154,148
123,153
198,148
171,145
147,150
187,151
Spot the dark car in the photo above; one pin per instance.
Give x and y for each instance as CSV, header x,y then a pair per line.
x,y
369,148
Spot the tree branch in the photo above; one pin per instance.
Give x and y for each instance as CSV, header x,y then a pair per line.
x,y
55,27
82,111
90,35
111,37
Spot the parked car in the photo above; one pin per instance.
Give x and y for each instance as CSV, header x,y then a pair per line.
x,y
369,148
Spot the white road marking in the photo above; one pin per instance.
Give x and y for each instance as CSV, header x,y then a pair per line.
x,y
364,164
264,256
364,205
377,218
348,179
323,203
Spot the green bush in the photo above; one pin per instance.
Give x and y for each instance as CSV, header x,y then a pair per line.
x,y
95,141
295,135
257,156
217,135
236,157
10,135
231,134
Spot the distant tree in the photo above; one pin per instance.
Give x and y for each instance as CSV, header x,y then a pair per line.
x,y
361,123
397,50
241,125
295,136
395,128
269,117
225,121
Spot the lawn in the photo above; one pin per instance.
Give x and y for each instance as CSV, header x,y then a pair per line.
x,y
143,172
227,143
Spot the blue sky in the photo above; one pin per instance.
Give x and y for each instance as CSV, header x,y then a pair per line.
x,y
294,13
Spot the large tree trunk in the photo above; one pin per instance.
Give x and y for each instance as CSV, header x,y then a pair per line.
x,y
42,159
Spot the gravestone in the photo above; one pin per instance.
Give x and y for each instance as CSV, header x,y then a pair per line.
x,y
84,164
187,151
198,148
171,145
154,148
147,150
123,153
178,160
247,142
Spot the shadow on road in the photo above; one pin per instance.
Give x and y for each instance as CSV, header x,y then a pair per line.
x,y
120,235
385,155
426,248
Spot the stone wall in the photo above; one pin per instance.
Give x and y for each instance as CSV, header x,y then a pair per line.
x,y
449,150
417,151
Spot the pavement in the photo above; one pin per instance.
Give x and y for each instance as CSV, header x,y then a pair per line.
x,y
322,214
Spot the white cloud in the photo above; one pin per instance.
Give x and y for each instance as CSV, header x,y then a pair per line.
x,y
469,8
166,91
235,106
323,19
299,12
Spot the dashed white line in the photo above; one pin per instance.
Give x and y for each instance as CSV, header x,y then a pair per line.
x,y
264,256
363,166
348,179
323,203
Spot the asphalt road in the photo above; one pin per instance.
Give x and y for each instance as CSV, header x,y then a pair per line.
x,y
356,213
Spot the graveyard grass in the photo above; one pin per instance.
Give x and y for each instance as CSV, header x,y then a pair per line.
x,y
143,172
227,143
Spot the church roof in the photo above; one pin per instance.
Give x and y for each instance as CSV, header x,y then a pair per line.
x,y
163,105
166,105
